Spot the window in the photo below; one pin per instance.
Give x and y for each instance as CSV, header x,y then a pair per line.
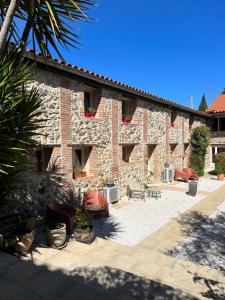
x,y
43,157
128,108
191,121
126,153
222,124
172,149
90,102
173,116
214,125
81,164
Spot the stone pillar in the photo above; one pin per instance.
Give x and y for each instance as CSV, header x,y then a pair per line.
x,y
145,139
65,125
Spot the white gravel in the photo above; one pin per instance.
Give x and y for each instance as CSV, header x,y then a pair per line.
x,y
136,220
206,244
205,184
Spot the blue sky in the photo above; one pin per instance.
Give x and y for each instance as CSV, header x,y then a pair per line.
x,y
171,48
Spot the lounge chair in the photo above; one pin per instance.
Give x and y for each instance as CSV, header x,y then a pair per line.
x,y
193,175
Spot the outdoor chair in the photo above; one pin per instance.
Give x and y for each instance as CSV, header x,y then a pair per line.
x,y
61,213
153,191
135,193
193,175
95,201
180,174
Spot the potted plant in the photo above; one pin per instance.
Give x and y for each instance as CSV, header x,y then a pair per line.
x,y
126,119
90,113
79,173
84,231
219,165
56,234
219,172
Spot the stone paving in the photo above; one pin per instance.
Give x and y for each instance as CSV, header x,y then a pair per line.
x,y
106,269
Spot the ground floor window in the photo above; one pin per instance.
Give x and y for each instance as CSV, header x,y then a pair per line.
x,y
216,150
43,157
81,161
173,149
127,153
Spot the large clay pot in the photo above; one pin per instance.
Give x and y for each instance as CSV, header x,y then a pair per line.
x,y
56,238
220,177
24,243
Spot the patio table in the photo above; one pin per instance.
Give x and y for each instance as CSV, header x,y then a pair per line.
x,y
153,191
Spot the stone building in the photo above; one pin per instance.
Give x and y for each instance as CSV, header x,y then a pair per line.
x,y
100,128
217,111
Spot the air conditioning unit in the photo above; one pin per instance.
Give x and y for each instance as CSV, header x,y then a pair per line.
x,y
111,193
167,175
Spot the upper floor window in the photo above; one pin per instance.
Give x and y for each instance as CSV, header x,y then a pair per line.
x,y
191,121
90,102
128,108
173,116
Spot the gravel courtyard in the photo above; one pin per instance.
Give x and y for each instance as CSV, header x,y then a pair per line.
x,y
136,219
206,245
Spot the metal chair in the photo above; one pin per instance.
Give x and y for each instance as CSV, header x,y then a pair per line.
x,y
135,193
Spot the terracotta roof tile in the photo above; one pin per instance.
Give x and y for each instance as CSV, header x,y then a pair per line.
x,y
117,83
218,105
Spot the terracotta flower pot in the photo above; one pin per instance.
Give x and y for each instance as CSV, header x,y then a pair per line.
x,y
126,159
220,177
56,238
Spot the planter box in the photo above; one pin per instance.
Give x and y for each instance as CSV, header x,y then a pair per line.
x,y
126,120
89,115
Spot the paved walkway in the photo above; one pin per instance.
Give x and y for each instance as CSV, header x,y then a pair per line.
x,y
106,269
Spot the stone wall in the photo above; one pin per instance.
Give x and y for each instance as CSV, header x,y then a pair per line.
x,y
49,84
106,134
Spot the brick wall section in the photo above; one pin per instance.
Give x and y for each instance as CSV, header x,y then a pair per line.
x,y
93,161
145,137
81,103
66,130
137,116
101,98
115,137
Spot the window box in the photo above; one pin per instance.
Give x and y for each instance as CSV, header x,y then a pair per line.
x,y
89,115
79,174
126,120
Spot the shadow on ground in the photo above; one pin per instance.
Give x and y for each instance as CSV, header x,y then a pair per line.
x,y
22,280
205,242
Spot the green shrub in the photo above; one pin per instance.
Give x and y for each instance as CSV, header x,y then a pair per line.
x,y
197,163
200,139
220,163
219,169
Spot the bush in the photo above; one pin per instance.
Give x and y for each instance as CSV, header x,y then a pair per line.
x,y
197,163
220,163
200,140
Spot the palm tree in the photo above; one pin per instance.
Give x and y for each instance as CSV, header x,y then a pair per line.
x,y
19,112
48,23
